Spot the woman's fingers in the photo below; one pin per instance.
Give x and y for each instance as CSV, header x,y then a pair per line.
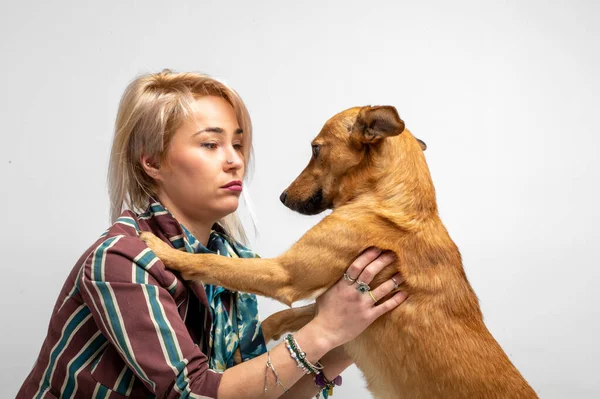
x,y
346,311
387,286
362,261
388,305
370,271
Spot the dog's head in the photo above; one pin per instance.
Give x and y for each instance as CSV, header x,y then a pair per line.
x,y
343,149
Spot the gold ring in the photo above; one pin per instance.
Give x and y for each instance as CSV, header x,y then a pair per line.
x,y
372,297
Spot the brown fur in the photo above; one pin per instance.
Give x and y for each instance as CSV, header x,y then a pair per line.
x,y
372,172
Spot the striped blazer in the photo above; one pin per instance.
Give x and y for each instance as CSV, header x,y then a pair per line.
x,y
124,326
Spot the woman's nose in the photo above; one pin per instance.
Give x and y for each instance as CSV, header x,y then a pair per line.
x,y
234,159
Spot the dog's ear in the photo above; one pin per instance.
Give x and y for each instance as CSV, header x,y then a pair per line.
x,y
422,144
375,123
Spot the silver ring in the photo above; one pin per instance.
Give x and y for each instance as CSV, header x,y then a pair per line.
x,y
348,278
229,162
362,287
396,285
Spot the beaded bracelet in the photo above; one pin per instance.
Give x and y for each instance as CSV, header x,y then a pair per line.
x,y
300,357
296,356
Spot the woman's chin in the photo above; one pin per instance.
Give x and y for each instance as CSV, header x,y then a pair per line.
x,y
227,207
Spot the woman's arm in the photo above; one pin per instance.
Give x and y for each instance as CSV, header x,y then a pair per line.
x,y
334,363
246,380
342,314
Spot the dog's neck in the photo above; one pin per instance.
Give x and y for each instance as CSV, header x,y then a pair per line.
x,y
395,174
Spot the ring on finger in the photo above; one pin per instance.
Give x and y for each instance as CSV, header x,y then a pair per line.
x,y
372,296
396,285
348,278
362,287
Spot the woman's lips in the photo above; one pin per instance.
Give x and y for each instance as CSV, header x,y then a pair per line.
x,y
234,185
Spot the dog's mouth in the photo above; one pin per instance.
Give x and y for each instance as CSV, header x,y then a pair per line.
x,y
312,206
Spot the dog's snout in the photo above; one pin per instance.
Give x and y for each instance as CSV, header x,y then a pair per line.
x,y
283,197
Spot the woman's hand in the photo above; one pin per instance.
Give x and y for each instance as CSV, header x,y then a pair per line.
x,y
343,312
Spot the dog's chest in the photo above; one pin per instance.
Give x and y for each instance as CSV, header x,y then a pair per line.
x,y
388,355
382,374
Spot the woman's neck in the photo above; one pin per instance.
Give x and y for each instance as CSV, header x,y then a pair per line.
x,y
200,229
200,232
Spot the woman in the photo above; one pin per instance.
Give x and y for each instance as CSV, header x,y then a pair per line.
x,y
124,326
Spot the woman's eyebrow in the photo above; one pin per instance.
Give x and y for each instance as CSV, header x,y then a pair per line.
x,y
218,130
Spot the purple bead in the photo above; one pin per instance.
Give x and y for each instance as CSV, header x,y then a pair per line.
x,y
320,380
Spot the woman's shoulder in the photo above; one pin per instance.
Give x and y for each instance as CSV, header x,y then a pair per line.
x,y
119,253
123,236
129,224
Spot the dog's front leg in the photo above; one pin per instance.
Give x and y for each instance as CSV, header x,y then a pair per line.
x,y
306,270
258,276
288,320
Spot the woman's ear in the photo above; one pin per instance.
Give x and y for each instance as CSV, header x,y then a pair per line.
x,y
150,166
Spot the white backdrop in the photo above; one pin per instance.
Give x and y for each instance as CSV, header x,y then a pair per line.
x,y
504,93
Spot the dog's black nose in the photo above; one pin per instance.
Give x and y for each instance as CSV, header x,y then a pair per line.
x,y
283,197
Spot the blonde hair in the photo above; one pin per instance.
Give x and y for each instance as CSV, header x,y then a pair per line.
x,y
152,108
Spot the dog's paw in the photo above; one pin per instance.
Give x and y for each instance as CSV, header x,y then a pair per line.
x,y
159,247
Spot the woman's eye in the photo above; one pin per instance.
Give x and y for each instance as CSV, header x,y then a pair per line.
x,y
238,147
212,146
315,151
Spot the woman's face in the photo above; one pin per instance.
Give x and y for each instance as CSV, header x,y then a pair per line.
x,y
200,178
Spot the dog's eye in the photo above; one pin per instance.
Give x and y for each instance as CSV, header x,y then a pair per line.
x,y
315,150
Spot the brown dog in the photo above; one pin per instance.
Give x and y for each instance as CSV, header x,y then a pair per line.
x,y
372,173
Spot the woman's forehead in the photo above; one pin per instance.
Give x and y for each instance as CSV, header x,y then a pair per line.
x,y
212,112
